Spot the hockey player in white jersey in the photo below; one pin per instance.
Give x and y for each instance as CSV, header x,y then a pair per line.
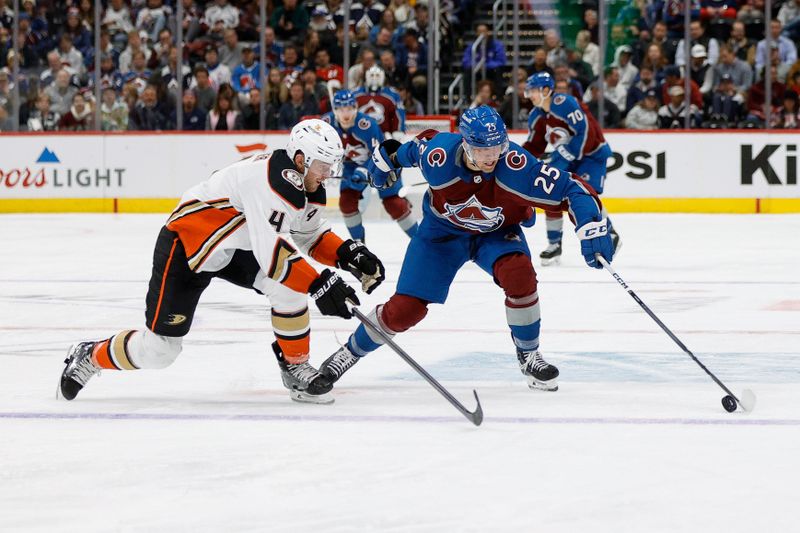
x,y
245,225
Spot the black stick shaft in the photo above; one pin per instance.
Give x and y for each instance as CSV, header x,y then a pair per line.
x,y
664,327
475,417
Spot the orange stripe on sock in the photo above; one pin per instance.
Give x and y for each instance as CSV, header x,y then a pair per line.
x,y
295,351
102,356
163,282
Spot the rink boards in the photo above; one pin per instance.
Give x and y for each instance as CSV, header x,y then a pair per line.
x,y
672,171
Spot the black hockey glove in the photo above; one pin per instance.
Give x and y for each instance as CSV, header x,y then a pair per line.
x,y
331,294
363,264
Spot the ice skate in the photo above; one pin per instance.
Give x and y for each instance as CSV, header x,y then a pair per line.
x,y
305,383
540,374
79,370
337,364
551,255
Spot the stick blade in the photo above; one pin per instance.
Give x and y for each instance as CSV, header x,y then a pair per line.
x,y
476,417
747,400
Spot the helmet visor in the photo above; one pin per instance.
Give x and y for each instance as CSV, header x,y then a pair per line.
x,y
485,155
323,168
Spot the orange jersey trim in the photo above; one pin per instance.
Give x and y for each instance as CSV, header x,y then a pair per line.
x,y
324,250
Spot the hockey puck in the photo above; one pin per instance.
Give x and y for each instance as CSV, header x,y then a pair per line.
x,y
729,403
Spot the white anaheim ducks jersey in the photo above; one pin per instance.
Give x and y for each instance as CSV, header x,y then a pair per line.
x,y
257,204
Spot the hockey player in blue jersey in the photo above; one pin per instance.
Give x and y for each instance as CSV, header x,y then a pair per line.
x,y
481,187
580,148
360,134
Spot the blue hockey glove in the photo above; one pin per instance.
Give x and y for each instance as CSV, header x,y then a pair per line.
x,y
380,168
559,161
360,175
595,239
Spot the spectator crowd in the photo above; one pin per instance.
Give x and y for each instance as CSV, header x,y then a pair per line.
x,y
217,83
643,78
219,71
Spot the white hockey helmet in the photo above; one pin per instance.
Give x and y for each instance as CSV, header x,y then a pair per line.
x,y
318,141
374,78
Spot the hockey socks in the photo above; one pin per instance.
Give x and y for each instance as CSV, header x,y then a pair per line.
x,y
555,228
355,226
363,340
292,332
113,353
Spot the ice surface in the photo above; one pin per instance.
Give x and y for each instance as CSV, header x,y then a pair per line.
x,y
635,439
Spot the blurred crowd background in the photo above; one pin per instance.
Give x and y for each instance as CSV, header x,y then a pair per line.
x,y
247,65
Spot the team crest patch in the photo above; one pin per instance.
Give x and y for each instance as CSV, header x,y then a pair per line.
x,y
294,178
437,157
363,124
559,99
474,216
556,136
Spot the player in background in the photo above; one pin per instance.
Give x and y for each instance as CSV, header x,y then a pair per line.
x,y
382,103
481,187
239,226
360,134
580,148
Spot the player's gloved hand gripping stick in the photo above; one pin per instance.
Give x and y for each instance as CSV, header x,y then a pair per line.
x,y
380,167
747,400
363,264
331,294
476,416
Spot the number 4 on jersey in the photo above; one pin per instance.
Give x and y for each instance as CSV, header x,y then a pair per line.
x,y
276,220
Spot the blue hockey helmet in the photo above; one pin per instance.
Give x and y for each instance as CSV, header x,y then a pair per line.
x,y
484,133
482,128
540,80
344,98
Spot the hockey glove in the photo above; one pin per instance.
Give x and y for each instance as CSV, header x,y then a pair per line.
x,y
381,170
331,294
559,161
595,240
360,175
363,264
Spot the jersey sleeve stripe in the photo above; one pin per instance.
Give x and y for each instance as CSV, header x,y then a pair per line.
x,y
534,199
325,248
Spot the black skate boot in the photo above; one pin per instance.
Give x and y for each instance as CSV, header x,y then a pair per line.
x,y
305,383
540,374
551,255
79,370
339,363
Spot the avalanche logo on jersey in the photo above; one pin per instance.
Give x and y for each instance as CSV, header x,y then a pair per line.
x,y
355,151
474,216
556,136
375,110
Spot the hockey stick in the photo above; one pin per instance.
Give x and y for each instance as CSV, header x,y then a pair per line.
x,y
748,398
476,417
405,189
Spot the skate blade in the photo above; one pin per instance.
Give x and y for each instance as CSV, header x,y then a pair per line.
x,y
554,261
536,384
304,397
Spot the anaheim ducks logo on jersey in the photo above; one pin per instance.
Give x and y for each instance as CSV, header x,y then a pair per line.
x,y
374,109
293,177
474,216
